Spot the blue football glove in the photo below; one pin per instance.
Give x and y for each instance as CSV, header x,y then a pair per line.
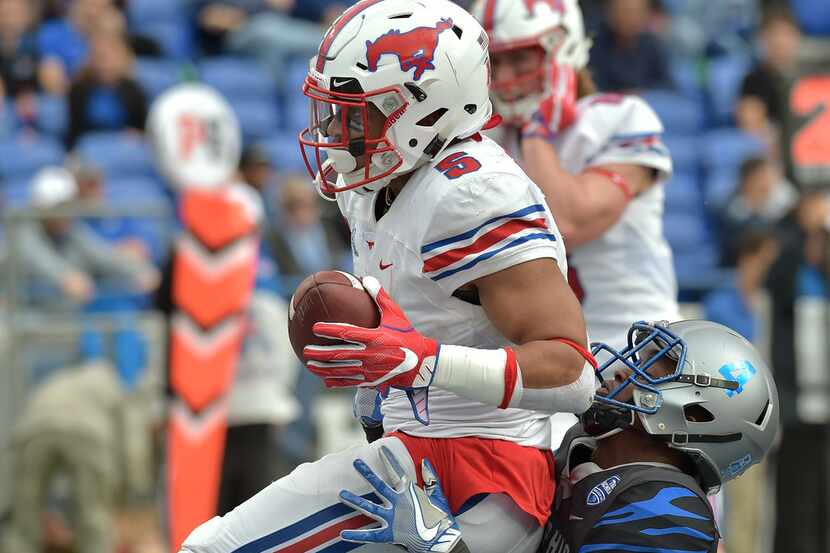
x,y
417,519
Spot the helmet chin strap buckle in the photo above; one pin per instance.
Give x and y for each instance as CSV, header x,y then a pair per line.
x,y
602,421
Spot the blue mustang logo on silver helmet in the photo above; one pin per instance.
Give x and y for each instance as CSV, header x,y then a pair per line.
x,y
740,372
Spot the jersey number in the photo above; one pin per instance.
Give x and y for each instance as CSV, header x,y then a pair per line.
x,y
811,144
457,164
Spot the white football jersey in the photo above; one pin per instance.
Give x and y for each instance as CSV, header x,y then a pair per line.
x,y
627,274
470,213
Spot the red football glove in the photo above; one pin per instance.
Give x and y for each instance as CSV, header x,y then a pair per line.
x,y
393,354
557,111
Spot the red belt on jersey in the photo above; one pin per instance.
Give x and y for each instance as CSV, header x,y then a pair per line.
x,y
472,466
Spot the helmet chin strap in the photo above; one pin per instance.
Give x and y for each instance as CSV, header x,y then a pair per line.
x,y
603,421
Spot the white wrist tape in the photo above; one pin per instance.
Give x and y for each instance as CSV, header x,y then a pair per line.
x,y
478,374
575,397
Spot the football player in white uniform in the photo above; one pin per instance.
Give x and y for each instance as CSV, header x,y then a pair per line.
x,y
480,335
598,158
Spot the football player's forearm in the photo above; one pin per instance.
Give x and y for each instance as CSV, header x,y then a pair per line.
x,y
497,377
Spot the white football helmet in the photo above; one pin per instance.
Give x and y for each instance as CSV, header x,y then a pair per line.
x,y
195,136
422,65
554,26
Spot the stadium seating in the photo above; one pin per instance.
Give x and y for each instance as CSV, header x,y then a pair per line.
x,y
155,76
118,154
52,115
143,12
683,195
21,157
284,152
813,16
685,152
679,113
173,36
238,78
727,147
258,118
725,77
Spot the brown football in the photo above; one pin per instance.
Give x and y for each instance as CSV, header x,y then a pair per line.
x,y
328,296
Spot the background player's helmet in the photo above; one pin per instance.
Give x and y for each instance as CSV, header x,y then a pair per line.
x,y
555,26
422,64
195,136
719,406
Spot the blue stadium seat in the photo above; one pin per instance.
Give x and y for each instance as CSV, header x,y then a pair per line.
x,y
725,77
683,195
813,16
296,104
686,75
698,270
238,79
143,12
685,231
284,152
173,36
685,152
20,158
155,76
134,190
728,148
117,154
52,115
679,114
258,118
15,193
720,185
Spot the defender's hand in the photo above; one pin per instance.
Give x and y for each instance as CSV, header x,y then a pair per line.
x,y
419,520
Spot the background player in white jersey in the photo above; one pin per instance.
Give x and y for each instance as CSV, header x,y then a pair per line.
x,y
468,269
598,158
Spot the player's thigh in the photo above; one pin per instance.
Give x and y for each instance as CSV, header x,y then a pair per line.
x,y
300,509
497,525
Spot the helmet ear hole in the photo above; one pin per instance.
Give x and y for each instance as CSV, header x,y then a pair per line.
x,y
432,118
762,417
697,413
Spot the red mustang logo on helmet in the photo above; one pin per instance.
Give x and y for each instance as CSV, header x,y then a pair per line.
x,y
555,5
415,48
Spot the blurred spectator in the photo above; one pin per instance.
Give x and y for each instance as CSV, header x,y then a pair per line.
x,y
105,96
261,402
803,488
19,54
626,55
65,253
256,168
259,28
735,303
102,448
63,42
761,198
762,105
706,28
303,241
126,234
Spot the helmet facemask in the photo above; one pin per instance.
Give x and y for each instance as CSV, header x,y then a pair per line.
x,y
347,134
517,99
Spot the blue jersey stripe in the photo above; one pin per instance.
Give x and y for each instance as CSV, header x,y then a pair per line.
x,y
684,530
635,136
470,233
318,519
658,506
633,548
487,255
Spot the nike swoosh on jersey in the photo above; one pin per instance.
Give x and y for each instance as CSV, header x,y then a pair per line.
x,y
383,266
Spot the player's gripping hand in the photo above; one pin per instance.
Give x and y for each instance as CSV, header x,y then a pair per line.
x,y
557,111
419,520
393,354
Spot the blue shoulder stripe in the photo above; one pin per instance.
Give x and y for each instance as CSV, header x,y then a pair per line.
x,y
490,253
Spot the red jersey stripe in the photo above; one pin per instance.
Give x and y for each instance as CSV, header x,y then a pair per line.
x,y
483,242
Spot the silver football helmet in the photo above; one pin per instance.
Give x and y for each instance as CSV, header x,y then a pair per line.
x,y
719,405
